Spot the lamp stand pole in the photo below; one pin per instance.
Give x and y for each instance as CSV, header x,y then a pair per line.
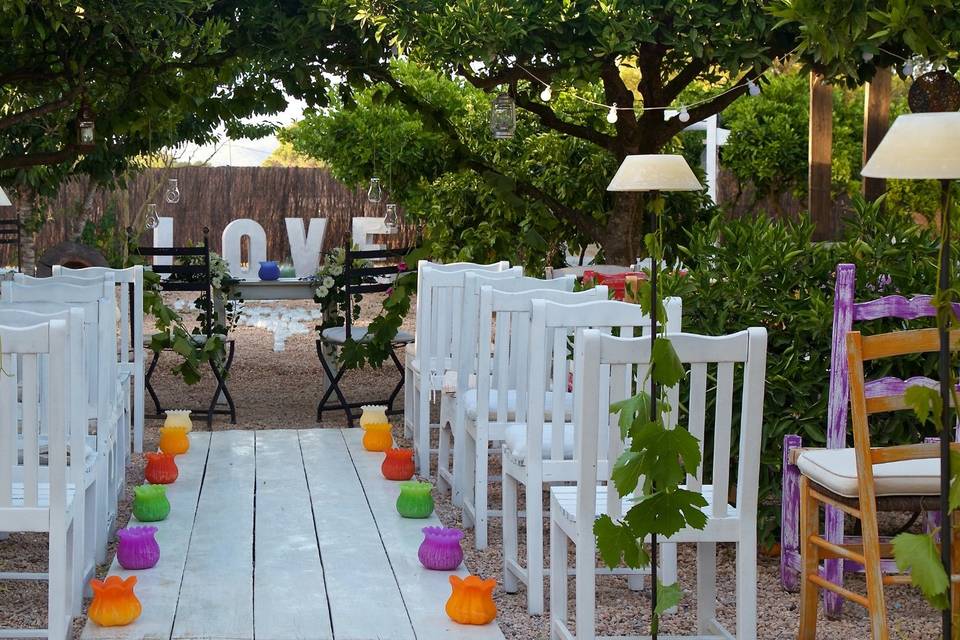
x,y
654,227
946,530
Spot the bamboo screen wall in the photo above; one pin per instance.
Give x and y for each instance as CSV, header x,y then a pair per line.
x,y
214,196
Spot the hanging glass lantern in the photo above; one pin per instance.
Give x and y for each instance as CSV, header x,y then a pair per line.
x,y
503,117
153,218
374,191
392,220
85,127
172,195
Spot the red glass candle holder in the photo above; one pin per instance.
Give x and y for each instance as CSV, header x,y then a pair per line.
x,y
398,464
161,468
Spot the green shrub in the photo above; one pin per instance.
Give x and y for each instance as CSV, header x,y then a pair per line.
x,y
763,272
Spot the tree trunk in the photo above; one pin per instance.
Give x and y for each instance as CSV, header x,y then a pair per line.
x,y
86,212
622,238
28,234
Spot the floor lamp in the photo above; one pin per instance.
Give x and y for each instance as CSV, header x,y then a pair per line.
x,y
926,146
654,173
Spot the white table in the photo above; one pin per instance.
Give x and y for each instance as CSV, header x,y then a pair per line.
x,y
280,289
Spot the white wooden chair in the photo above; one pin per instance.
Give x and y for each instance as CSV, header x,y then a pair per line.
x,y
578,271
541,452
36,497
434,352
105,406
502,352
463,377
96,462
130,291
606,375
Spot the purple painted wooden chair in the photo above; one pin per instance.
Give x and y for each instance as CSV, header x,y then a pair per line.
x,y
845,313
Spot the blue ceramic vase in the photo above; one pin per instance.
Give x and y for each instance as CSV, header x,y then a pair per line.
x,y
269,270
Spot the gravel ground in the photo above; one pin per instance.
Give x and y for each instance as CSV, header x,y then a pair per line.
x,y
280,390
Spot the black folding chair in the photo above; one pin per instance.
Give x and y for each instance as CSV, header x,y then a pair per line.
x,y
10,234
359,281
194,277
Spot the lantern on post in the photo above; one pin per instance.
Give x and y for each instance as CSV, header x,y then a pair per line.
x,y
85,128
503,117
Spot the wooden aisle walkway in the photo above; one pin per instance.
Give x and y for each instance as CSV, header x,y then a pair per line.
x,y
284,534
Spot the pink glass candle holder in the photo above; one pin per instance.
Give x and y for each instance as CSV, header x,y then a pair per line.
x,y
440,549
138,549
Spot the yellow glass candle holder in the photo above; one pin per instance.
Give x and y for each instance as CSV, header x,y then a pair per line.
x,y
174,440
377,436
178,418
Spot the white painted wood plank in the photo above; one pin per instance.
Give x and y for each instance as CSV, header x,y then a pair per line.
x,y
290,601
425,592
365,601
159,587
216,596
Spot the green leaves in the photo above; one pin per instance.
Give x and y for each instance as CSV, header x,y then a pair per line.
x,y
917,553
925,402
667,368
668,596
616,541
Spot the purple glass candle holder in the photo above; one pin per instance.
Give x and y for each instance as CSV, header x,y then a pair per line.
x,y
440,549
138,549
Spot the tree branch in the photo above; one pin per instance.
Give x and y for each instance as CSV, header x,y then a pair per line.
x,y
673,126
37,159
679,82
506,76
34,112
580,220
549,118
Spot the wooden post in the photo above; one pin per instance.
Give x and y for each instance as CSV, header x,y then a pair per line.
x,y
819,155
876,120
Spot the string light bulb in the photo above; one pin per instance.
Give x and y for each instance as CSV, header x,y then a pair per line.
x,y
546,94
684,116
612,114
908,68
867,56
753,88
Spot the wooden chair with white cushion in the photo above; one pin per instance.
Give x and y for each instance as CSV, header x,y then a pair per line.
x,y
437,340
463,377
501,350
130,296
38,492
863,480
540,452
606,364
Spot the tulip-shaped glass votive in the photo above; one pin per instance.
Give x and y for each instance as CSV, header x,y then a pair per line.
x,y
161,468
114,602
174,440
415,499
150,502
137,548
398,464
472,600
440,549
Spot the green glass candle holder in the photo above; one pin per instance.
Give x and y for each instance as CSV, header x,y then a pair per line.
x,y
150,502
415,499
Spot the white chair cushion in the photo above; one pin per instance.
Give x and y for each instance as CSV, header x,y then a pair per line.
x,y
338,335
517,441
836,470
470,404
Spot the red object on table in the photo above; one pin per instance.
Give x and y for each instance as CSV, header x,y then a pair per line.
x,y
615,282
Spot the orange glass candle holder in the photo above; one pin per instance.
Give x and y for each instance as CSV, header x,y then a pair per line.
x,y
377,436
472,600
161,468
174,440
398,464
114,602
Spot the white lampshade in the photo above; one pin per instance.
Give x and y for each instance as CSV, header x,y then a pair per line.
x,y
654,172
4,200
918,146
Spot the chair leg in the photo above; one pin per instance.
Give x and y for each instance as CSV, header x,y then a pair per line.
x,y
747,584
58,586
789,515
833,567
874,577
333,385
459,453
707,586
469,472
810,562
586,587
220,375
444,438
396,389
421,430
409,392
510,532
534,507
558,579
148,386
480,487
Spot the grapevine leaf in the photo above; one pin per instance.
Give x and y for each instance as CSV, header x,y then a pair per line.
x,y
917,553
615,540
627,471
925,402
668,596
629,410
667,368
